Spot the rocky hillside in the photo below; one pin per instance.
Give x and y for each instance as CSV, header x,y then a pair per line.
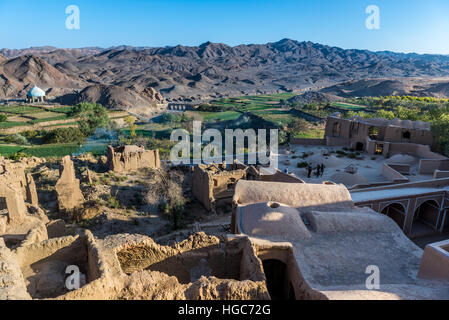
x,y
122,76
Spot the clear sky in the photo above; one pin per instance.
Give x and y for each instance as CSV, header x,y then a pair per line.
x,y
405,25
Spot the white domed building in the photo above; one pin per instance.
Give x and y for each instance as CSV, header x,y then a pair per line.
x,y
36,94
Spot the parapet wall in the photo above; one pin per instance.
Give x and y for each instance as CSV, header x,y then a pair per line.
x,y
390,172
435,261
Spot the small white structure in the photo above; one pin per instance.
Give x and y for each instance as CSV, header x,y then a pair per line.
x,y
36,94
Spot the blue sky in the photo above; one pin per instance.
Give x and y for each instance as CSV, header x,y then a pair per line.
x,y
405,25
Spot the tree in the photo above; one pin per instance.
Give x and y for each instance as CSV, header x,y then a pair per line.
x,y
165,190
131,122
64,135
440,130
91,116
297,125
3,118
386,114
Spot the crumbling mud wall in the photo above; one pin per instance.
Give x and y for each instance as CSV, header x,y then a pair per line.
x,y
130,158
44,265
68,186
288,283
21,220
12,283
215,183
200,267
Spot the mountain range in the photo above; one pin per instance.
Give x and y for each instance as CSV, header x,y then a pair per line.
x,y
126,77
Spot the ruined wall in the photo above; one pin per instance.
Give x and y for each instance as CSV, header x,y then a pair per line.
x,y
389,172
16,187
131,158
293,279
11,279
339,131
215,182
68,186
197,268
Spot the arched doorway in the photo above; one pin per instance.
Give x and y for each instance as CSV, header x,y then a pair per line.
x,y
395,211
276,279
425,219
359,146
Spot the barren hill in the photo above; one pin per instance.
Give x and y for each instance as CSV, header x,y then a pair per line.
x,y
214,70
387,87
120,97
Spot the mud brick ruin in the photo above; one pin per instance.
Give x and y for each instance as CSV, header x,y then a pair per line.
x,y
131,158
377,136
68,186
288,239
213,185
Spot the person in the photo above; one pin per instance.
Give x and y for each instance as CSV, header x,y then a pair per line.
x,y
286,170
322,169
309,170
317,171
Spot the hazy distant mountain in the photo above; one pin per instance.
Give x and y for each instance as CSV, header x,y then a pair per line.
x,y
213,70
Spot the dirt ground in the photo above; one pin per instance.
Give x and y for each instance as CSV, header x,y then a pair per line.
x,y
369,167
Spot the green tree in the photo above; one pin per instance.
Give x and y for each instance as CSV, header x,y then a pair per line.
x,y
440,130
385,114
297,125
64,135
91,116
131,122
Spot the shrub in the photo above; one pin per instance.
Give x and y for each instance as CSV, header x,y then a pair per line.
x,y
3,118
112,202
170,118
302,164
64,135
30,134
17,138
18,155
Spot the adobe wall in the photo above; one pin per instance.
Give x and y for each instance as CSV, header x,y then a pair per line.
x,y
352,131
435,261
131,158
266,250
17,187
428,166
211,183
391,173
201,267
68,186
439,174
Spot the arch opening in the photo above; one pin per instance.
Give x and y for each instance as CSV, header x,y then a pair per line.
x,y
395,211
425,219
